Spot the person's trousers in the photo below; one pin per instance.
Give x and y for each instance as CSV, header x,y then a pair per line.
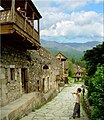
x,y
76,110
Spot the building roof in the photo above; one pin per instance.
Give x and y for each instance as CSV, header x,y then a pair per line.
x,y
61,56
78,69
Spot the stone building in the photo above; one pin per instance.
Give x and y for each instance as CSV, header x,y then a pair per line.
x,y
25,66
78,73
65,66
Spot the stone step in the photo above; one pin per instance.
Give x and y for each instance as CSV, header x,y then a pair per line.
x,y
20,107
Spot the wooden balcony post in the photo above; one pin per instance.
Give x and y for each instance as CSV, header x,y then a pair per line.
x,y
39,28
33,15
25,14
13,9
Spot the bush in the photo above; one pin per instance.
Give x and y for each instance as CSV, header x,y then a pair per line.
x,y
71,70
70,79
96,87
86,79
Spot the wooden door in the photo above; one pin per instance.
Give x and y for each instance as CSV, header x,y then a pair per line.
x,y
24,80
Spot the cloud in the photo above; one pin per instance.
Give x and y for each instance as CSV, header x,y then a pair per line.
x,y
86,17
65,4
81,24
52,17
71,4
54,13
62,20
99,1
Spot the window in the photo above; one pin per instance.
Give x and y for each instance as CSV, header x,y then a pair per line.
x,y
12,73
38,84
45,67
43,84
36,25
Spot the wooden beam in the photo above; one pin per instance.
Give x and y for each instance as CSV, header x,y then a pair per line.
x,y
25,13
29,38
6,29
33,15
33,22
13,9
39,28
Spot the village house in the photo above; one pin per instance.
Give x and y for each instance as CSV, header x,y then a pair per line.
x,y
26,68
78,73
65,67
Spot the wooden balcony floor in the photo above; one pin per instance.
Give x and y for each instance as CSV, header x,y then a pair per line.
x,y
11,36
18,32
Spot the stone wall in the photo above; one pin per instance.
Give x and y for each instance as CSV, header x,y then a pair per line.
x,y
25,71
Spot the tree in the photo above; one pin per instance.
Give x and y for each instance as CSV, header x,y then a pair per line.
x,y
94,57
71,70
95,66
97,94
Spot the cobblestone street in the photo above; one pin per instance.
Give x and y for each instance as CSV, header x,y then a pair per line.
x,y
60,108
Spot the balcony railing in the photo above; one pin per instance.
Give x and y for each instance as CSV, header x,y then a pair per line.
x,y
20,21
5,16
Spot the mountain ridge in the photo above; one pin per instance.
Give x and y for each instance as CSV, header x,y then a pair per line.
x,y
70,50
85,46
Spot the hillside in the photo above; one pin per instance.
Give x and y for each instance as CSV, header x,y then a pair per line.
x,y
70,50
83,46
55,47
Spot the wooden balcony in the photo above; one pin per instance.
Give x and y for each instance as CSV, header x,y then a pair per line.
x,y
16,28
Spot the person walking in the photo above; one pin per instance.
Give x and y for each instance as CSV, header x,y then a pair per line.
x,y
76,111
83,90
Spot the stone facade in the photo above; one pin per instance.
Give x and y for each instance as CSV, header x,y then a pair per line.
x,y
23,72
64,65
26,71
78,73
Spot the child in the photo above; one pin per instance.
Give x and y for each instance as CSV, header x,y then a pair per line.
x,y
77,104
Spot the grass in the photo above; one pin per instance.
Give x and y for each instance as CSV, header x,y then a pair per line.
x,y
18,118
70,79
85,106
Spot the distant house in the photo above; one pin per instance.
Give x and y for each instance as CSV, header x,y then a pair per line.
x,y
78,73
65,66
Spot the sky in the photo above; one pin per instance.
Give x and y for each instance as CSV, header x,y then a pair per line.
x,y
71,20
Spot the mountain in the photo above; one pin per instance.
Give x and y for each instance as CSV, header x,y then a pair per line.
x,y
55,47
70,50
83,46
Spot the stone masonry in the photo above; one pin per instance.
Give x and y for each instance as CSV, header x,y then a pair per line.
x,y
26,71
60,108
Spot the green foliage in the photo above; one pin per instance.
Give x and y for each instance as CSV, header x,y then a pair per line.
x,y
94,57
95,80
71,69
69,53
79,62
96,86
70,79
86,79
73,60
18,118
86,106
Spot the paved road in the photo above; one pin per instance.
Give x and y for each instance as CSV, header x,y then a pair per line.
x,y
60,108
